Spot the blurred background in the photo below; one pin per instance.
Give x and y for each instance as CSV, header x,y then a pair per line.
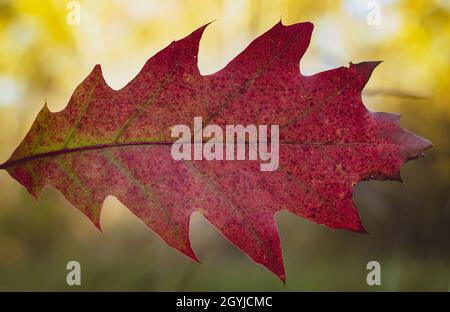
x,y
45,53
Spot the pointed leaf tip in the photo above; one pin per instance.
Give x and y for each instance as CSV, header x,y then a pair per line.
x,y
364,71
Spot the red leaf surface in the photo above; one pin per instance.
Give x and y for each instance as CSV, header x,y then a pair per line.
x,y
108,142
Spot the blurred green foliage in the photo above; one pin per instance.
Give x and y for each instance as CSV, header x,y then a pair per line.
x,y
42,57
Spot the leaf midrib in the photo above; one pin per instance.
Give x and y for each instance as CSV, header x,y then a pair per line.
x,y
15,162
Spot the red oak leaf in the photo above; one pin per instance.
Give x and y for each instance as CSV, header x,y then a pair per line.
x,y
119,142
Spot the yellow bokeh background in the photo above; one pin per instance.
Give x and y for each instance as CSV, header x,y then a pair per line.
x,y
43,58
